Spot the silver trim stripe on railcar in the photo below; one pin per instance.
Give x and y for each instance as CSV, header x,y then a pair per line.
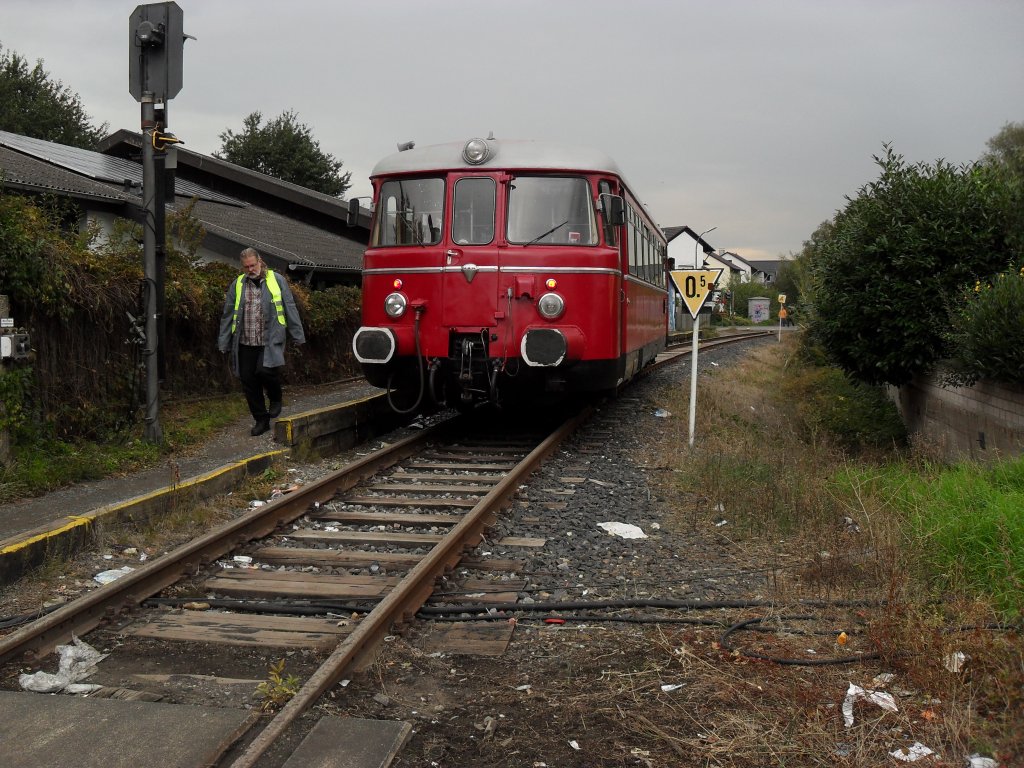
x,y
638,281
458,268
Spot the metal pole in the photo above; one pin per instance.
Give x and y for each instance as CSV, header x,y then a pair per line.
x,y
153,433
693,378
693,351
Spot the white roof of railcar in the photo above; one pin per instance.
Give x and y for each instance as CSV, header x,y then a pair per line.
x,y
526,154
504,154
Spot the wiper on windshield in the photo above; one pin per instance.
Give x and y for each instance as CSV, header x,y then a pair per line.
x,y
553,229
413,226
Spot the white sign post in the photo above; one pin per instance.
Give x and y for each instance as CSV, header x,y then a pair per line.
x,y
694,285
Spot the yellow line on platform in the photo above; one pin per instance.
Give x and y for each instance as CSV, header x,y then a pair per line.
x,y
90,517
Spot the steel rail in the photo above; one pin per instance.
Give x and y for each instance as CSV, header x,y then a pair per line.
x,y
86,613
402,603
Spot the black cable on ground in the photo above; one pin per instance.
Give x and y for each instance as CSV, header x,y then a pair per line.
x,y
6,622
747,623
701,605
577,618
312,608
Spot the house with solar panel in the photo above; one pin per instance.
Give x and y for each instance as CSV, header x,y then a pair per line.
x,y
298,231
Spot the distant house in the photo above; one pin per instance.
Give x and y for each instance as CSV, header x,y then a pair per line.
x,y
737,269
686,248
689,250
296,230
769,270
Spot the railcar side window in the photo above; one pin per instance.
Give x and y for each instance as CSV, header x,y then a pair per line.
x,y
551,210
633,223
611,233
473,214
409,212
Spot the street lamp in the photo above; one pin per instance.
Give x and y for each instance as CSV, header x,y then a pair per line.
x,y
696,245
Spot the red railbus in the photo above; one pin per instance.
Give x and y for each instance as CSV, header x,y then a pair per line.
x,y
498,269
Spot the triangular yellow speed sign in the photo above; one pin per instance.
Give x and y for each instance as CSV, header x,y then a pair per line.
x,y
694,285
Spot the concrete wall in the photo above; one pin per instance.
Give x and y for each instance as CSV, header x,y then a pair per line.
x,y
982,422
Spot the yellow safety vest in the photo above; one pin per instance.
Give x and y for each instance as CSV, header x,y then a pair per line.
x,y
275,296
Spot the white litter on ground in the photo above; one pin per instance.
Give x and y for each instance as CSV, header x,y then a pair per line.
x,y
623,530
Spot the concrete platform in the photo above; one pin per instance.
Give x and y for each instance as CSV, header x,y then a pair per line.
x,y
350,742
55,731
57,525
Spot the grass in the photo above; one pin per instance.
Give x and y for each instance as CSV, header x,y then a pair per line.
x,y
811,476
968,521
43,464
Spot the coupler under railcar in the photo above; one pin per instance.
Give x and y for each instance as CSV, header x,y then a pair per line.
x,y
475,372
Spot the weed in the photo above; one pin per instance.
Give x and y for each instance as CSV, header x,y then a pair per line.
x,y
278,689
43,464
805,469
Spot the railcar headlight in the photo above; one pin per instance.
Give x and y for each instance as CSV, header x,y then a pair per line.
x,y
395,304
551,306
476,152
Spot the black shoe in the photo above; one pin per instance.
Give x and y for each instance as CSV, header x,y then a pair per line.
x,y
261,426
275,410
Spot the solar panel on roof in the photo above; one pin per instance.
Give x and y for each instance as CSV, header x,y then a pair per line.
x,y
101,167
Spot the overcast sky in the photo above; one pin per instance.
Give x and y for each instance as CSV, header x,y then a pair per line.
x,y
752,116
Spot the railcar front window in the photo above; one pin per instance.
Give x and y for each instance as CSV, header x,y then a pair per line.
x,y
409,212
551,210
473,217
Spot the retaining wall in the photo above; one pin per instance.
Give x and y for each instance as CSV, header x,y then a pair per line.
x,y
982,422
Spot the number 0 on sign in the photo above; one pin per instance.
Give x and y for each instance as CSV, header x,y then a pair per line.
x,y
694,285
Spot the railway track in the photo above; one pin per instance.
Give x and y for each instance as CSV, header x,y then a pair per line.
x,y
373,538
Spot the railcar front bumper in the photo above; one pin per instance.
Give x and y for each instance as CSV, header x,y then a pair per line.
x,y
374,345
551,347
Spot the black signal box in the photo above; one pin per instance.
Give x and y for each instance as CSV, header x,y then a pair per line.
x,y
156,47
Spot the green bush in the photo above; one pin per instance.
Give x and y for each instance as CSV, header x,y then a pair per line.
x,y
986,338
899,250
15,385
76,293
854,414
333,307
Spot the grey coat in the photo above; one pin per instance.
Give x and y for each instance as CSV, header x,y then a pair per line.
x,y
274,334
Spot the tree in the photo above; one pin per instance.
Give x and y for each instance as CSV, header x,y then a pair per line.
x,y
285,149
1006,153
1006,149
788,279
32,104
887,274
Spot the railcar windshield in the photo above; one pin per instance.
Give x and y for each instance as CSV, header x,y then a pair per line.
x,y
473,212
409,212
551,210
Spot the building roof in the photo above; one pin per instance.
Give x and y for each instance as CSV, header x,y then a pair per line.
x,y
671,233
23,172
768,266
300,245
215,172
734,257
302,229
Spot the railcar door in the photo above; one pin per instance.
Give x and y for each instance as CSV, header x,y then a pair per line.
x,y
470,261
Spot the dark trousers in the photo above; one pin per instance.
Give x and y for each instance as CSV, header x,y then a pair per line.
x,y
256,380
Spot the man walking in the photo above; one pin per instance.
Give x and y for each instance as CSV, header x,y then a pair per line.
x,y
259,314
